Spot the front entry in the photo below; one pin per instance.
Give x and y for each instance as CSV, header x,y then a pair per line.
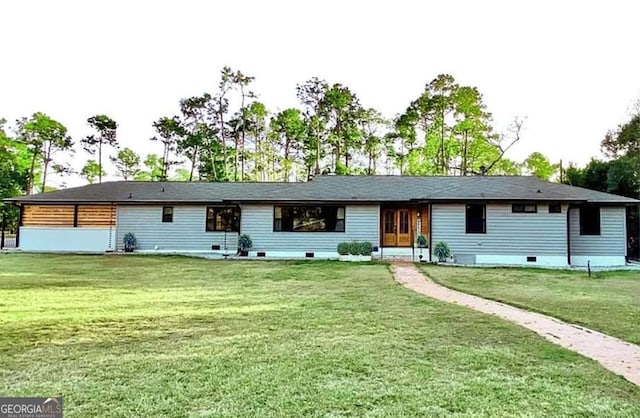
x,y
396,227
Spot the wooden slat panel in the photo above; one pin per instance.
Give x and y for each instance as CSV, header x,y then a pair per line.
x,y
54,215
97,215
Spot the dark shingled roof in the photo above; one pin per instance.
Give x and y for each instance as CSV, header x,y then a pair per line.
x,y
332,189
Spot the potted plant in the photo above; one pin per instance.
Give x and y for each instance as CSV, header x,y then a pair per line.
x,y
441,251
355,251
421,240
129,242
365,248
343,251
244,245
348,251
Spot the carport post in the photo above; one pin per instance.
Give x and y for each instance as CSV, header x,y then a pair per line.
x,y
4,225
20,215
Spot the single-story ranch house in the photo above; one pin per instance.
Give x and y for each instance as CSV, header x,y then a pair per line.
x,y
484,219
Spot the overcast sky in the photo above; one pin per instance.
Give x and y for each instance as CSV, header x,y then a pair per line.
x,y
571,67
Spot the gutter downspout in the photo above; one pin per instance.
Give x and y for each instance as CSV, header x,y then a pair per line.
x,y
381,233
112,223
568,236
430,213
3,226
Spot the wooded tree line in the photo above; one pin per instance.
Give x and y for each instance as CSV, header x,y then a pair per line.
x,y
619,171
230,135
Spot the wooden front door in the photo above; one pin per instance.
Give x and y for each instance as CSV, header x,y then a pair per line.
x,y
396,228
404,227
389,228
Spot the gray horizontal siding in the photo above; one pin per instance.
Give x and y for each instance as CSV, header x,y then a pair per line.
x,y
362,223
541,233
612,238
186,232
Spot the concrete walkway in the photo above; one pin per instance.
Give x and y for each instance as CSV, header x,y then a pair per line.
x,y
616,355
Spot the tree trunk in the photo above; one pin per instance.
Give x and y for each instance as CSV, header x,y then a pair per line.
x,y
194,159
272,175
165,162
317,172
222,142
242,141
235,158
259,160
241,133
464,153
444,169
32,172
100,160
285,161
402,157
47,156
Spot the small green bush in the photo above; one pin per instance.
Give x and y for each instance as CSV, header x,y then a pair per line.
x,y
365,248
245,242
343,248
129,241
441,250
421,241
355,248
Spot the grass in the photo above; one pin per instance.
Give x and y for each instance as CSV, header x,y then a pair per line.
x,y
170,336
608,301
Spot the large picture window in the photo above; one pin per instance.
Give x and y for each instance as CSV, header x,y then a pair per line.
x,y
476,219
309,218
223,219
589,220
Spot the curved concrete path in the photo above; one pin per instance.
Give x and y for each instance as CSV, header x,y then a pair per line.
x,y
616,355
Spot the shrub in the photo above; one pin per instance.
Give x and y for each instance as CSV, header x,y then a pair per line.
x,y
244,242
365,248
129,241
421,241
343,248
353,248
441,250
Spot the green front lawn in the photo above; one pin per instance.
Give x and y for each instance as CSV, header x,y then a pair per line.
x,y
170,336
607,301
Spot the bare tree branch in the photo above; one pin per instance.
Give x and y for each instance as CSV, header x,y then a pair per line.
x,y
513,132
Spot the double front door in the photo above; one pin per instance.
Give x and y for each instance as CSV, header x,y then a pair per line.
x,y
396,227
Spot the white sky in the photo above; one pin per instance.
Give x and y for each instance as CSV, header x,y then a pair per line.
x,y
571,67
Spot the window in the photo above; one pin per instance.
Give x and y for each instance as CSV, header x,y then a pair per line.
x,y
524,208
223,219
404,221
308,218
476,220
167,214
555,208
589,220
